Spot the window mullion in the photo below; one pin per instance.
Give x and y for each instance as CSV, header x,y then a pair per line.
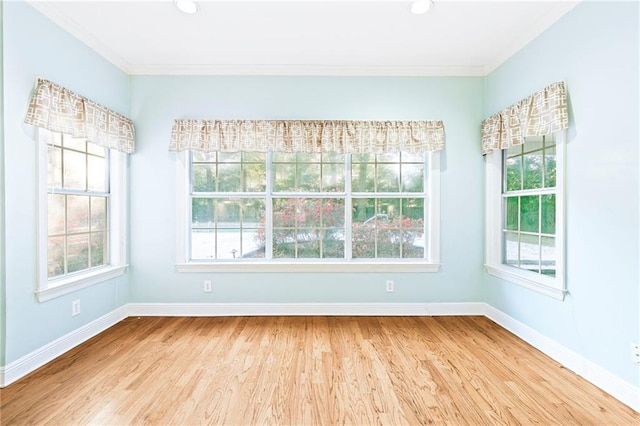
x,y
268,221
348,208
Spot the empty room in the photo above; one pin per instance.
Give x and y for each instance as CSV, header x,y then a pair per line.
x,y
309,212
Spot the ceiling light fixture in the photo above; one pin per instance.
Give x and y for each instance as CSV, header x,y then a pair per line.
x,y
420,7
187,6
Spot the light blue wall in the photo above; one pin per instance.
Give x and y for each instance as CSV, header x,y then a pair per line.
x,y
157,101
595,50
34,46
3,306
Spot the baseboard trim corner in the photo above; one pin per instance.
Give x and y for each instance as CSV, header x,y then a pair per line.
x,y
596,375
39,357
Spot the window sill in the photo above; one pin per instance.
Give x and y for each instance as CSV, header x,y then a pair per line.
x,y
66,285
536,282
330,267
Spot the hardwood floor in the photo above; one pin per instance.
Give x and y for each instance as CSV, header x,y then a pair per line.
x,y
307,371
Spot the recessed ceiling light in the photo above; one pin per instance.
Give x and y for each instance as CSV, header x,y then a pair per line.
x,y
419,7
187,6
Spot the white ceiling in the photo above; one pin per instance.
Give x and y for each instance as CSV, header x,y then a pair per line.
x,y
306,37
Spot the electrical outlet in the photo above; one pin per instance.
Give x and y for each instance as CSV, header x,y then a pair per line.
x,y
389,286
207,286
75,308
635,353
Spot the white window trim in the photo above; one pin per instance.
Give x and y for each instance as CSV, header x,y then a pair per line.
x,y
550,286
48,289
183,264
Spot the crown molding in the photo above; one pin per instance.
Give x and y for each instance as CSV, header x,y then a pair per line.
x,y
309,70
50,11
517,43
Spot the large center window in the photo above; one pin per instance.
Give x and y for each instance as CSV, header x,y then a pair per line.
x,y
251,207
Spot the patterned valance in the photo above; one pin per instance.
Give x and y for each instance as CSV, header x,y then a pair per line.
x,y
540,114
55,108
311,136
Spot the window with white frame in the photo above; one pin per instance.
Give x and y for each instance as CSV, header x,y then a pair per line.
x,y
525,230
252,208
81,213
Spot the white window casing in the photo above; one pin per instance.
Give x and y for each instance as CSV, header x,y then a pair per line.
x,y
49,288
548,285
432,245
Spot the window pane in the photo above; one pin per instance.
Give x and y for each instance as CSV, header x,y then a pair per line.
x,y
284,157
333,177
412,177
548,256
511,249
550,167
55,214
333,243
388,178
363,177
229,243
97,179
254,157
238,230
388,228
549,214
77,214
203,177
54,167
411,158
388,240
529,213
413,243
229,157
363,158
94,149
55,256
532,169
77,252
390,157
203,157
75,170
308,177
203,244
98,213
79,144
229,177
284,177
98,249
529,252
513,174
511,213
255,177
202,212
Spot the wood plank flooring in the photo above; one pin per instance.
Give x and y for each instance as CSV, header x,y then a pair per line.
x,y
307,371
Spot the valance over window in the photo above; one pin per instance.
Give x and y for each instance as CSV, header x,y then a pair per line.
x,y
349,137
542,113
55,108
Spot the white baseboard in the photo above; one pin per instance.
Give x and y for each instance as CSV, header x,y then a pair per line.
x,y
36,359
301,309
613,385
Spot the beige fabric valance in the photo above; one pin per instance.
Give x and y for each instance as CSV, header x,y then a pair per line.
x,y
311,136
55,108
540,114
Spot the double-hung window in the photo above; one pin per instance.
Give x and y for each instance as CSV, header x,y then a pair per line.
x,y
279,211
81,230
525,214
